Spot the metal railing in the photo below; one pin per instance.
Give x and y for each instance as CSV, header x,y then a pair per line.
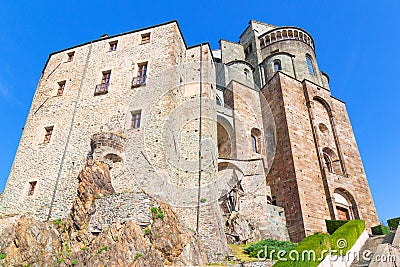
x,y
139,81
101,89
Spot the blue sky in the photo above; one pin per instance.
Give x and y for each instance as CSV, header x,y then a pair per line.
x,y
356,42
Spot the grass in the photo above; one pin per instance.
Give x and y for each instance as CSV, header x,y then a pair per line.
x,y
240,255
157,213
258,249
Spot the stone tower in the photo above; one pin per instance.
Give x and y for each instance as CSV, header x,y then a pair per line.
x,y
317,172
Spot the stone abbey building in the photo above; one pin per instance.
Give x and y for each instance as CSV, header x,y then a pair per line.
x,y
247,136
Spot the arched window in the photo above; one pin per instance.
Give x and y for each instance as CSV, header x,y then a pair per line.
x,y
277,65
254,143
310,64
246,73
256,140
332,162
328,162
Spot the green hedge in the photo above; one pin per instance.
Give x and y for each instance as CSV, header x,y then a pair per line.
x,y
254,249
333,225
394,223
317,242
342,240
380,230
346,236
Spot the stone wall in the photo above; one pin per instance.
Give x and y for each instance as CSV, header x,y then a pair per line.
x,y
123,207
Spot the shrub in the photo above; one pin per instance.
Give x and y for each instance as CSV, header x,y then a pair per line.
x,y
394,223
137,256
147,231
74,262
344,238
317,242
157,213
380,230
57,221
203,200
269,245
102,249
341,240
3,256
333,225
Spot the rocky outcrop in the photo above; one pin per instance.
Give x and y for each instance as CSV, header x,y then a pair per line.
x,y
68,242
241,230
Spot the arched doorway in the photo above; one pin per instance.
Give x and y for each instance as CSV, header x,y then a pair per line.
x,y
345,205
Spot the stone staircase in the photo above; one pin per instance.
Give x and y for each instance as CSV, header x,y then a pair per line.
x,y
371,245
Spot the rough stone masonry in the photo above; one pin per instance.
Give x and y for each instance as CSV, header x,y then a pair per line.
x,y
249,132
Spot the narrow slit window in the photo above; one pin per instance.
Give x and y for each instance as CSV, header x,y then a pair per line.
x,y
310,65
48,133
135,119
254,143
32,187
61,87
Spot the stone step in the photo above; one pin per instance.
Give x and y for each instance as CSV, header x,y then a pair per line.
x,y
371,245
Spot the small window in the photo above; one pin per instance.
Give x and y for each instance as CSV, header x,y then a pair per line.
x,y
246,74
70,56
48,133
328,163
146,38
277,65
254,143
256,140
141,76
106,77
135,119
248,49
310,64
102,88
32,186
113,45
61,87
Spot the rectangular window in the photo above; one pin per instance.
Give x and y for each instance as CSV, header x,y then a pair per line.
x,y
113,45
102,88
146,38
135,119
70,56
106,77
48,133
141,77
32,186
61,87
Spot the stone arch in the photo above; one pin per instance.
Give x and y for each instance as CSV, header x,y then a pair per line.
x,y
345,205
256,140
332,161
225,138
229,188
324,103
